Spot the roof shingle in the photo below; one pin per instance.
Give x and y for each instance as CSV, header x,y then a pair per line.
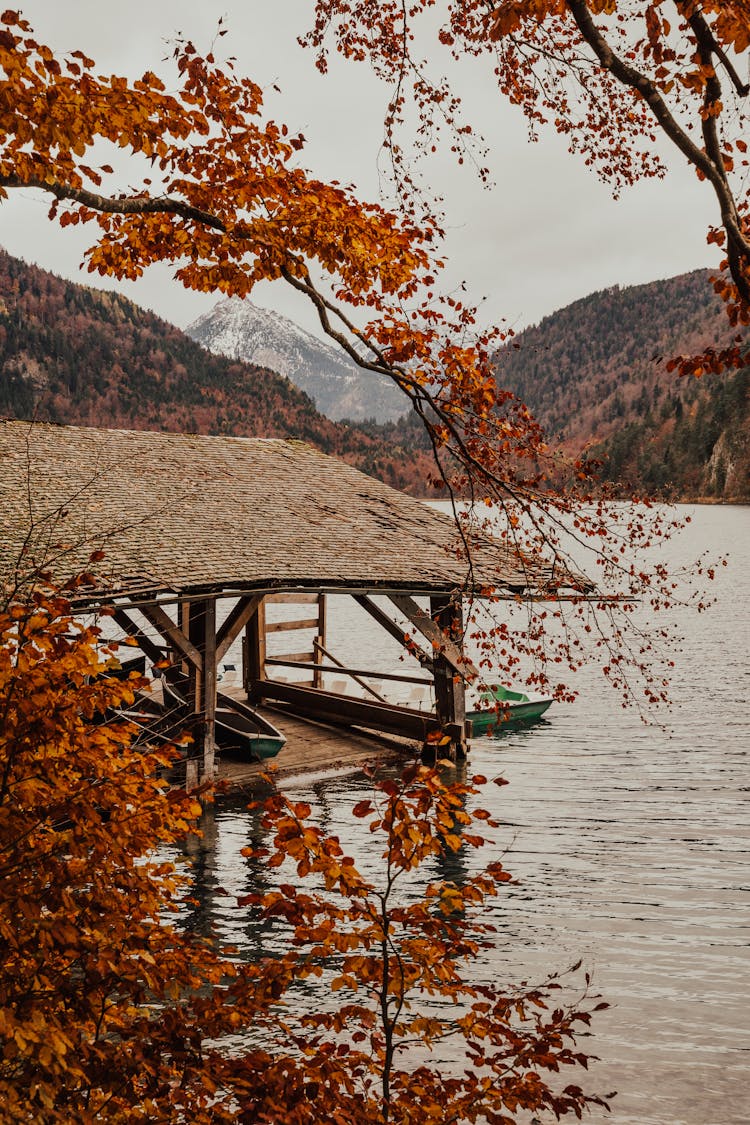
x,y
188,513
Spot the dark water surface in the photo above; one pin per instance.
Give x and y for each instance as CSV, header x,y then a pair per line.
x,y
632,847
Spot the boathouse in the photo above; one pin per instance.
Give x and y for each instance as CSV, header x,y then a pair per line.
x,y
188,522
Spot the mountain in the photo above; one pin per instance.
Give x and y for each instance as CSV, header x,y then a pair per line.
x,y
594,374
75,355
242,331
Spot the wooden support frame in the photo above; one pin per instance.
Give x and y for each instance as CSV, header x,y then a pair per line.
x,y
132,629
179,639
198,620
435,632
254,651
341,669
291,626
341,710
290,598
320,640
450,693
391,627
235,622
337,665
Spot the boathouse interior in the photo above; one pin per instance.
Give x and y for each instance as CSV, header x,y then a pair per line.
x,y
212,545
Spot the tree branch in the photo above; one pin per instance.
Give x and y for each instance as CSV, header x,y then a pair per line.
x,y
738,245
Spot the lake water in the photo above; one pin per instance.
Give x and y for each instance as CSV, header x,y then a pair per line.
x,y
632,847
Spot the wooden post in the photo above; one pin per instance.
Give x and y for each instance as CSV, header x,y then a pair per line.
x,y
209,689
193,697
254,653
450,696
201,632
320,640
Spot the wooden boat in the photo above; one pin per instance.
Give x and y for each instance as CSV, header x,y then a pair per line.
x,y
500,707
238,729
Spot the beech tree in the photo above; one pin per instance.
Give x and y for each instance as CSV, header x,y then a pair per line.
x,y
224,199
616,77
108,1012
97,1014
111,1012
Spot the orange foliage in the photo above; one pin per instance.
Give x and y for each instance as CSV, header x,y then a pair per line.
x,y
226,201
616,77
89,958
110,1013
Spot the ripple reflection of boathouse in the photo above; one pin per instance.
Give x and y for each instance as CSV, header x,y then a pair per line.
x,y
187,522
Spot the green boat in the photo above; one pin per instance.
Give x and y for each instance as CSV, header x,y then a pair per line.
x,y
242,731
514,707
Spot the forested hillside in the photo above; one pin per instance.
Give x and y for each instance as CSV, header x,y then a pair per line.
x,y
595,375
72,354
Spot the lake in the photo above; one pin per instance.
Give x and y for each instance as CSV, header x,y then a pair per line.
x,y
631,844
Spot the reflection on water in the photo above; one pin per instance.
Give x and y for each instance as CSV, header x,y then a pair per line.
x,y
631,844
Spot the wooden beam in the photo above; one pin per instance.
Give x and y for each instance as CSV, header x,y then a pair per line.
x,y
337,666
132,629
209,648
288,626
161,620
395,631
254,651
430,629
235,623
292,599
318,674
450,692
319,646
341,710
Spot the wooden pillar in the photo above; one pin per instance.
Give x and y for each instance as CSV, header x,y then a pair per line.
x,y
319,643
254,654
450,696
198,621
209,688
193,694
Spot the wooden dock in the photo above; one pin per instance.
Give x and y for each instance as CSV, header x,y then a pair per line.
x,y
313,749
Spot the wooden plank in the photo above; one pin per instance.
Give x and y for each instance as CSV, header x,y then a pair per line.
x,y
288,626
391,627
235,622
161,620
327,707
292,658
338,667
291,599
319,643
132,629
436,636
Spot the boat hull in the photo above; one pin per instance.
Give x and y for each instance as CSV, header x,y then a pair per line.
x,y
254,744
238,729
502,708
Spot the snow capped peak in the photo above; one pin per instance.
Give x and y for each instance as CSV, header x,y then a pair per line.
x,y
241,330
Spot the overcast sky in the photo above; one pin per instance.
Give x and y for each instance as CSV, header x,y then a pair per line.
x,y
546,234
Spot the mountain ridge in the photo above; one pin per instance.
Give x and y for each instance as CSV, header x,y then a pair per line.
x,y
240,330
74,354
595,375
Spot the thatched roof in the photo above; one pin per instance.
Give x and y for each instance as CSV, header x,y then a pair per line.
x,y
187,514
